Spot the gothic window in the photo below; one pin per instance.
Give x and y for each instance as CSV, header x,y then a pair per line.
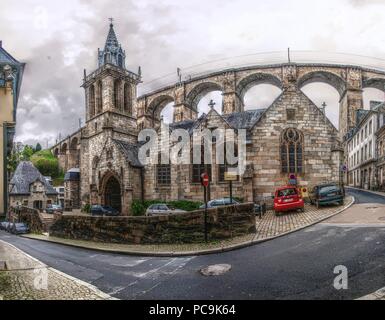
x,y
92,101
292,151
120,61
99,97
127,99
199,169
117,95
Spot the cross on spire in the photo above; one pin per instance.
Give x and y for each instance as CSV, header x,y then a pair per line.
x,y
212,104
111,21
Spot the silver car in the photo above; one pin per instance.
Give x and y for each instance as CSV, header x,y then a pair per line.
x,y
162,209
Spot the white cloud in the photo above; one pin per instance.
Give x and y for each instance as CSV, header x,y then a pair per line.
x,y
59,40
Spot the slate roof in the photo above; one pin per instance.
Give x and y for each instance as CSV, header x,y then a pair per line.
x,y
130,151
244,120
237,120
26,174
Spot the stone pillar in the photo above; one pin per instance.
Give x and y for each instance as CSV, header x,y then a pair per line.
x,y
231,100
351,101
289,76
182,113
232,103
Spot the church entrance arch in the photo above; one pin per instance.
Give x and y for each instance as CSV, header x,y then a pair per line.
x,y
113,194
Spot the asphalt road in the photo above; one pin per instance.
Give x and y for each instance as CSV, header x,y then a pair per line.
x,y
297,266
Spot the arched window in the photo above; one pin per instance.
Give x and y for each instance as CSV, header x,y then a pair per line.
x,y
292,151
117,95
92,101
99,97
127,99
120,61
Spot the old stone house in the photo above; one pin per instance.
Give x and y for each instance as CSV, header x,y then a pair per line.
x,y
29,188
292,136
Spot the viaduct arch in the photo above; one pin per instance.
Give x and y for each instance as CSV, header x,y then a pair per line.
x,y
348,80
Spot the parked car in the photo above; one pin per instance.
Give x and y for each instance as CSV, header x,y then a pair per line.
x,y
326,194
219,203
104,211
18,228
288,199
54,208
162,209
4,225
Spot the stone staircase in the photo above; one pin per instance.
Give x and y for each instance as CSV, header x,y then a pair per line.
x,y
47,220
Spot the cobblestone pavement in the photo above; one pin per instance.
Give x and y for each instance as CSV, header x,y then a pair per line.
x,y
269,226
272,226
25,278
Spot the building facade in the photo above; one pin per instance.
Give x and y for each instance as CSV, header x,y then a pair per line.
x,y
11,74
362,148
380,135
29,188
292,136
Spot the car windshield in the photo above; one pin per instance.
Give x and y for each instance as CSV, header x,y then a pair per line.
x,y
287,192
328,189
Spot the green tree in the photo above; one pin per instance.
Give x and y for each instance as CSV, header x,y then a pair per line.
x,y
38,147
27,153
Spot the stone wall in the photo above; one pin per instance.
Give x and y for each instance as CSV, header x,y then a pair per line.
x,y
223,223
28,216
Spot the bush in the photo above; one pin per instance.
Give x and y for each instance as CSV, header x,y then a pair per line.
x,y
86,208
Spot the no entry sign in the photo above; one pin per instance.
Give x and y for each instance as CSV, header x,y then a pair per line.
x,y
205,180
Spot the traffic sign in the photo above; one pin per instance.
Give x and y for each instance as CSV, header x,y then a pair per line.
x,y
205,179
231,176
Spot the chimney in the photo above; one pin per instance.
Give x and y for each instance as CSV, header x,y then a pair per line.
x,y
1,43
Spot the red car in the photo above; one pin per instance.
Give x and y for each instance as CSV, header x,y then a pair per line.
x,y
288,199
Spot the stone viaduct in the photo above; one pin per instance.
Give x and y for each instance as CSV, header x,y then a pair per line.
x,y
348,80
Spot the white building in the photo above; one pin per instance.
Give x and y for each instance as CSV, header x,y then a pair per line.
x,y
362,148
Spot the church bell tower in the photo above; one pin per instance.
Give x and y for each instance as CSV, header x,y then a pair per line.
x,y
111,89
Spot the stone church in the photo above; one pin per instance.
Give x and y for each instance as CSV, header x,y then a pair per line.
x,y
292,136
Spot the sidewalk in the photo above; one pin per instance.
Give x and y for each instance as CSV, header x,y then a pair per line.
x,y
379,193
25,278
268,228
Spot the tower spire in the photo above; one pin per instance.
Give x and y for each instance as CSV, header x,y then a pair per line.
x,y
113,52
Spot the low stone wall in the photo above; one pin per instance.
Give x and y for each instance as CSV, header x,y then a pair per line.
x,y
223,223
28,216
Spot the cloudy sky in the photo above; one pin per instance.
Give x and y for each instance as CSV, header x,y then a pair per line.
x,y
58,40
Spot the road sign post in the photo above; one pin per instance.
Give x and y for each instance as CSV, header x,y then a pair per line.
x,y
230,176
205,180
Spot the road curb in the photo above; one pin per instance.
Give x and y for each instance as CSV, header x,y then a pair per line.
x,y
192,253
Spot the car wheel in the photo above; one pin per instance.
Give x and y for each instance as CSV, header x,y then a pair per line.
x,y
277,214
